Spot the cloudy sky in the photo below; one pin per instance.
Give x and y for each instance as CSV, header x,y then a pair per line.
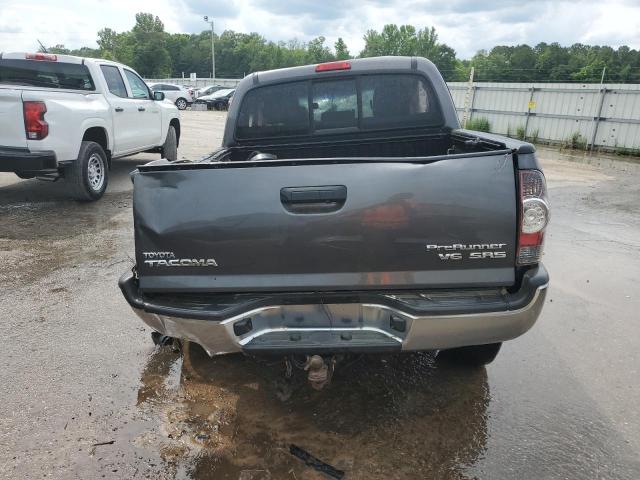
x,y
465,25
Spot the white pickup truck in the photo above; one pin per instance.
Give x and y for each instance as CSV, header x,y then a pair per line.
x,y
68,117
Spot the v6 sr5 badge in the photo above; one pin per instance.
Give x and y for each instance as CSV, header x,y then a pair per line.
x,y
463,251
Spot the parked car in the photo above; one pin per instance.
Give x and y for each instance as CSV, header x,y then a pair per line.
x,y
208,90
346,211
178,94
218,100
66,117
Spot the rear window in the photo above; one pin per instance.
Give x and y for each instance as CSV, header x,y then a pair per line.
x,y
335,104
114,80
277,110
35,73
366,102
397,100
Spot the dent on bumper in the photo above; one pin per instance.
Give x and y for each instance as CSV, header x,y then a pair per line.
x,y
362,327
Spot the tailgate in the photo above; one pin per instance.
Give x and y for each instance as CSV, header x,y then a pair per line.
x,y
338,224
12,131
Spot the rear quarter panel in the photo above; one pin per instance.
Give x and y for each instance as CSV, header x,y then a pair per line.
x,y
69,115
11,118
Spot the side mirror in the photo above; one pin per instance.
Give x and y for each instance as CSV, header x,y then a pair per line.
x,y
158,96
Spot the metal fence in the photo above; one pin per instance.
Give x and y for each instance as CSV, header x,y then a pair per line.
x,y
198,83
604,116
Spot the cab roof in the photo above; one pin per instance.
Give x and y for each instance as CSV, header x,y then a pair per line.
x,y
53,57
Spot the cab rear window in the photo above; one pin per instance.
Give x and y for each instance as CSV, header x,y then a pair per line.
x,y
352,103
36,73
277,110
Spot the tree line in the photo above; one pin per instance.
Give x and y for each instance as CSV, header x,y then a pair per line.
x,y
155,53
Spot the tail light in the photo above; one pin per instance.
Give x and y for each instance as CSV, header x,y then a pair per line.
x,y
331,66
49,57
35,125
534,216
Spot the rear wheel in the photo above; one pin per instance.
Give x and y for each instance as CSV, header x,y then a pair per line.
x,y
25,176
181,103
88,175
194,360
170,147
473,356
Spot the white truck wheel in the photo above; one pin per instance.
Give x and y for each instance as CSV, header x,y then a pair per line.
x,y
170,146
89,174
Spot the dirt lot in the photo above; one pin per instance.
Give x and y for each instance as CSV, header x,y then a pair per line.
x,y
85,394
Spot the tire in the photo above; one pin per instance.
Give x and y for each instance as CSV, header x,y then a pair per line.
x,y
170,146
181,103
89,174
194,360
472,356
25,176
217,106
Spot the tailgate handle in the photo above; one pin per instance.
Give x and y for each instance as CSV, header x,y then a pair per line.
x,y
324,198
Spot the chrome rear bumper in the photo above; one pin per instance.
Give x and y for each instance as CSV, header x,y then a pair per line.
x,y
334,327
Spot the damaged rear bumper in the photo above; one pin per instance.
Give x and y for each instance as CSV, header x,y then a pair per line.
x,y
334,322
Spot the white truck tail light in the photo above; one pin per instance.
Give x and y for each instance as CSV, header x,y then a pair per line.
x,y
534,216
35,126
48,57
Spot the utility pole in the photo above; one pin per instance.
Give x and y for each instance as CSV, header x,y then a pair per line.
x,y
596,119
468,99
213,55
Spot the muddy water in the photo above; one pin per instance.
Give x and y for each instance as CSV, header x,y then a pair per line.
x,y
382,417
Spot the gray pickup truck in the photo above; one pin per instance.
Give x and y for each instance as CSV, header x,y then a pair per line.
x,y
346,211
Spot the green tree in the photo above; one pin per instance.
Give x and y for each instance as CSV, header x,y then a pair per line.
x,y
150,55
318,52
342,52
107,40
58,49
392,40
405,40
147,23
156,53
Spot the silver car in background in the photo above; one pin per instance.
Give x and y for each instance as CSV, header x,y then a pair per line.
x,y
208,90
178,94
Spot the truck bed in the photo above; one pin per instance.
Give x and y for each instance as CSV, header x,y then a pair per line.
x,y
398,146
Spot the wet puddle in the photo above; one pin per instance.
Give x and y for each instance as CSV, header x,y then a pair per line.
x,y
381,417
